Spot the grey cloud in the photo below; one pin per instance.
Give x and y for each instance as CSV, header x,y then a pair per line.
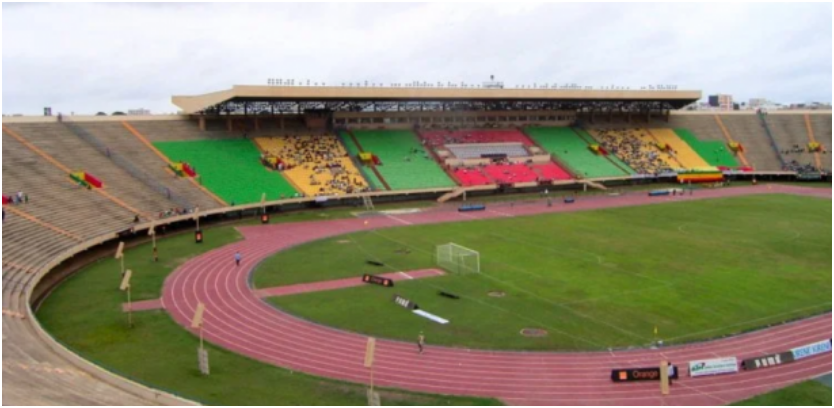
x,y
91,57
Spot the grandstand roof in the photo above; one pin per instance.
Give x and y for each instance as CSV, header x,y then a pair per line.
x,y
247,93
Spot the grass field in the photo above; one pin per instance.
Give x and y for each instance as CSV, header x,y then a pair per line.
x,y
84,314
810,393
594,280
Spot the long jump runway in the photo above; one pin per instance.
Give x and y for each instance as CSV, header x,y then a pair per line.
x,y
238,320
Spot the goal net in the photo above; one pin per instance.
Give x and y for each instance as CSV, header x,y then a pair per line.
x,y
457,259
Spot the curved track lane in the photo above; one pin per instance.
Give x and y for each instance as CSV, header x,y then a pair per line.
x,y
238,320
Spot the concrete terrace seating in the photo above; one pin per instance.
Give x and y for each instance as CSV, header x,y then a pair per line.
x,y
476,151
682,152
56,140
405,163
714,152
791,136
703,127
748,130
54,199
574,151
121,141
230,168
173,130
822,132
318,165
437,138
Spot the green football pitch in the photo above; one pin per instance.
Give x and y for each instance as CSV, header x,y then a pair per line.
x,y
592,280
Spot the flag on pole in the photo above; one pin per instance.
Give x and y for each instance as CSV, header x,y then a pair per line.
x,y
120,251
126,280
655,330
197,320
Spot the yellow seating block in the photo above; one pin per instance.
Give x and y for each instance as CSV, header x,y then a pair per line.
x,y
687,157
308,157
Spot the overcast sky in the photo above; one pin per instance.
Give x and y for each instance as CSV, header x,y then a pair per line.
x,y
98,57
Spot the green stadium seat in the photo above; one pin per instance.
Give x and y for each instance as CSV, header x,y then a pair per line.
x,y
570,148
401,167
231,169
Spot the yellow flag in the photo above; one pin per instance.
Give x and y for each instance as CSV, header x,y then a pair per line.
x,y
655,330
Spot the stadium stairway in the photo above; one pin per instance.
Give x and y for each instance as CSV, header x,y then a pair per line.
x,y
790,131
231,169
821,124
573,150
294,152
55,198
59,142
405,163
206,200
122,142
684,154
748,130
373,176
812,139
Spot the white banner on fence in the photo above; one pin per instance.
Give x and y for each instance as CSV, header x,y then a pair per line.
x,y
811,350
713,367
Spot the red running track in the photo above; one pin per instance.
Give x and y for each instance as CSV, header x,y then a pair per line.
x,y
238,320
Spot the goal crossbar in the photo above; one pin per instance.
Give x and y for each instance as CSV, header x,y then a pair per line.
x,y
458,259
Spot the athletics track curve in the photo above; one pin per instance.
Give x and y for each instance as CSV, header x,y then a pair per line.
x,y
236,319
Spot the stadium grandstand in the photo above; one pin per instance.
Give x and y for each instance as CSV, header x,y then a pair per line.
x,y
75,187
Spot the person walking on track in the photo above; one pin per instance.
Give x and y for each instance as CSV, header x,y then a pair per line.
x,y
421,341
238,258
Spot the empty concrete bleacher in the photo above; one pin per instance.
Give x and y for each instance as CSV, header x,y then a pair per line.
x,y
749,131
570,148
792,138
821,125
405,163
56,140
230,168
174,130
317,165
121,141
53,198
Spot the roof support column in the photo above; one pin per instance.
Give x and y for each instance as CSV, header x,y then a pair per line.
x,y
202,123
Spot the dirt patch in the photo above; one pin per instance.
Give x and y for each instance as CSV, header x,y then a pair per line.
x,y
497,294
534,333
343,241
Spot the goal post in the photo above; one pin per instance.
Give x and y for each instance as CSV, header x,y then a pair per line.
x,y
458,259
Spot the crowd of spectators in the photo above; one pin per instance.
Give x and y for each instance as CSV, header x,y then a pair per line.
x,y
322,159
640,155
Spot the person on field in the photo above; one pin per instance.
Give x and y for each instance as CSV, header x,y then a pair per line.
x,y
238,258
421,341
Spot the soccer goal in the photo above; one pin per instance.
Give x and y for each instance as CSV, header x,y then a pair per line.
x,y
457,259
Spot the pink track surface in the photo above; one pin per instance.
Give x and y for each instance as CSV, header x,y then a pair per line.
x,y
238,320
144,305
